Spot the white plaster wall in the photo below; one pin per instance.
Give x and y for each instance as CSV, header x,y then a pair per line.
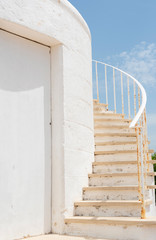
x,y
72,159
59,25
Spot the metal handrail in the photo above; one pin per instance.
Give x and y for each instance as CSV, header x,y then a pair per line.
x,y
139,122
144,96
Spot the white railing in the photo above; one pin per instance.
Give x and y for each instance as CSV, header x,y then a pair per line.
x,y
118,88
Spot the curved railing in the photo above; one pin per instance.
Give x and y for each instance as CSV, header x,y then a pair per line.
x,y
121,86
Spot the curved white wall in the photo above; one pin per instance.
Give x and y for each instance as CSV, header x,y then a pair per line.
x,y
58,25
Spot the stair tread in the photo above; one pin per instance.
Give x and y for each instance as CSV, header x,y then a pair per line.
x,y
114,152
113,162
152,187
151,151
112,119
114,143
118,174
97,103
115,134
110,188
112,126
108,113
110,202
151,161
115,220
128,187
117,152
119,162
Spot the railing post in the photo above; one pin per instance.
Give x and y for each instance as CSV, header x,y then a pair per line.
x,y
143,211
139,97
114,90
134,99
106,86
122,97
97,85
137,130
129,106
146,141
139,101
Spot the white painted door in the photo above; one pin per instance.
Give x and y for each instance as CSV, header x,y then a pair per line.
x,y
25,138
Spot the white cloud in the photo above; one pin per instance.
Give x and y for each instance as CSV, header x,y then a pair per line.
x,y
140,62
151,123
151,119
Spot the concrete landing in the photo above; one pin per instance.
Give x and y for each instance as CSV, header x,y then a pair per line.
x,y
58,237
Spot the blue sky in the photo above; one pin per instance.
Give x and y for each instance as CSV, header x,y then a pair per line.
x,y
124,33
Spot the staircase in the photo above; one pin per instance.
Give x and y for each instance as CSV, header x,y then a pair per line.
x,y
110,206
119,201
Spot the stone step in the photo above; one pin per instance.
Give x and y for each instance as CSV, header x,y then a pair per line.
x,y
118,179
120,162
114,143
109,208
110,122
97,110
96,102
114,130
118,167
100,109
111,139
125,155
119,147
103,125
117,157
100,106
110,115
113,228
58,237
107,115
110,134
113,193
114,152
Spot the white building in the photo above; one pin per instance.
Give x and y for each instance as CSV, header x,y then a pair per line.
x,y
46,118
46,107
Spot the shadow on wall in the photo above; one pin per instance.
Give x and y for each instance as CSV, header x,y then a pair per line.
x,y
20,58
25,133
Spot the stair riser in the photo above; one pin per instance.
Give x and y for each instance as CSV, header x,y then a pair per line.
x,y
97,105
117,157
114,139
114,130
112,195
109,211
116,147
118,168
99,121
117,181
106,116
99,109
112,231
96,111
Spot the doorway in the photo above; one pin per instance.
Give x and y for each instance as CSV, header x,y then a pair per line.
x,y
25,137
